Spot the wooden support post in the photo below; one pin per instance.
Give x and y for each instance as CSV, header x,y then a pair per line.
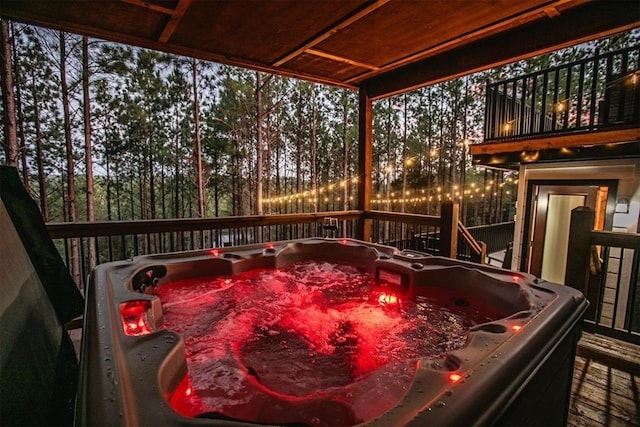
x,y
579,248
483,253
449,229
365,162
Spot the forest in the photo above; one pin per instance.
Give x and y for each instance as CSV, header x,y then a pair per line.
x,y
102,131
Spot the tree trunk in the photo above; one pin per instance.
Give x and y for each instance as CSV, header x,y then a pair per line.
x,y
314,147
71,196
198,143
258,97
430,154
42,183
20,118
8,104
298,148
87,145
403,205
463,155
268,171
441,151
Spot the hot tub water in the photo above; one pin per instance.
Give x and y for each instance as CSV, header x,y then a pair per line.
x,y
313,343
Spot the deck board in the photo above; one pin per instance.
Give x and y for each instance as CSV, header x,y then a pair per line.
x,y
606,380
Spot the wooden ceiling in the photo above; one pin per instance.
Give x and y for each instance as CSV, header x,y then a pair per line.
x,y
383,46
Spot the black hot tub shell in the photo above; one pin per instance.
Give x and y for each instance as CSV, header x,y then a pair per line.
x,y
513,371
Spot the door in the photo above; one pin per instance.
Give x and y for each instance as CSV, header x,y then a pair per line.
x,y
550,236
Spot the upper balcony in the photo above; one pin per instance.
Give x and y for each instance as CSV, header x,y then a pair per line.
x,y
588,108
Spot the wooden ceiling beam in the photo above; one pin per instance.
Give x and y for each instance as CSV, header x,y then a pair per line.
x,y
552,12
576,25
177,15
513,160
580,139
340,59
343,23
150,6
493,28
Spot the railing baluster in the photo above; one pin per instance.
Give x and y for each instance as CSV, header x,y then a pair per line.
x,y
632,297
580,95
568,97
594,89
533,109
512,112
82,262
617,293
523,104
556,86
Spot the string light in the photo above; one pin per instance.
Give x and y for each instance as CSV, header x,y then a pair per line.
x,y
429,194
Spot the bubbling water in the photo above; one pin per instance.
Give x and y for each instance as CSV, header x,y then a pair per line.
x,y
313,343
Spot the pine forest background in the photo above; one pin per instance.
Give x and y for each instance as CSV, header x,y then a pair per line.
x,y
112,132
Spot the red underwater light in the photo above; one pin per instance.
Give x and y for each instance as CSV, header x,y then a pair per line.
x,y
134,317
184,399
388,299
516,328
454,378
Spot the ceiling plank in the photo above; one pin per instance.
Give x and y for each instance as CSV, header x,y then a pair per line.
x,y
177,15
498,26
576,25
340,59
332,30
109,34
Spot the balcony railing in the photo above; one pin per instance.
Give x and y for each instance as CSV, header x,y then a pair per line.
x,y
595,93
120,240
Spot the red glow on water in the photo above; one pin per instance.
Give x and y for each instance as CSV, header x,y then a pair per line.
x,y
308,341
516,328
454,378
134,317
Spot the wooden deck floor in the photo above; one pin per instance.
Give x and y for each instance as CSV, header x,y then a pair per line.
x,y
606,383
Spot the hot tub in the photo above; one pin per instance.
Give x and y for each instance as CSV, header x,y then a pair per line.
x,y
511,368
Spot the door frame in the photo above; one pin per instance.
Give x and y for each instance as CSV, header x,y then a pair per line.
x,y
612,185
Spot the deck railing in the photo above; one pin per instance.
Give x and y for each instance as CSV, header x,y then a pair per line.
x,y
605,266
121,240
496,236
586,95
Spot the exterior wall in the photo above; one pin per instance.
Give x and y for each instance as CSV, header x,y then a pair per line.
x,y
627,172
